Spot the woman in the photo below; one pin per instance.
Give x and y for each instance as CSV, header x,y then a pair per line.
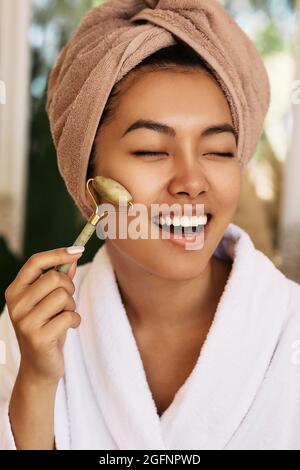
x,y
152,346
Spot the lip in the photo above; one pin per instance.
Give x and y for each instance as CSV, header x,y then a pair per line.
x,y
187,238
194,212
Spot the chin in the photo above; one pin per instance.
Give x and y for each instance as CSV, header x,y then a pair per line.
x,y
168,262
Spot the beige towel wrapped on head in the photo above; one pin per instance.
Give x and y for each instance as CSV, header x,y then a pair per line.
x,y
111,40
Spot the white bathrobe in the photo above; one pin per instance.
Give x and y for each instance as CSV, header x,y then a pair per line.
x,y
243,393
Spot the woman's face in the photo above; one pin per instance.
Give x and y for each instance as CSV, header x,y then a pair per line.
x,y
185,169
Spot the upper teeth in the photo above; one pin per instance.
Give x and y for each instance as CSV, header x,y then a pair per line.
x,y
184,221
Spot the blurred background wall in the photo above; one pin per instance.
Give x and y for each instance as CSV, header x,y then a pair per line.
x,y
36,211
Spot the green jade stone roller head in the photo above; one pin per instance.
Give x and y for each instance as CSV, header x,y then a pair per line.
x,y
109,190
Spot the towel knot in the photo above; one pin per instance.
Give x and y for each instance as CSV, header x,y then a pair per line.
x,y
151,3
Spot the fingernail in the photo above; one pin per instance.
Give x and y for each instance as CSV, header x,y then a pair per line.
x,y
73,250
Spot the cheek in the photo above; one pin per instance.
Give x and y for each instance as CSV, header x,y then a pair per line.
x,y
141,180
226,187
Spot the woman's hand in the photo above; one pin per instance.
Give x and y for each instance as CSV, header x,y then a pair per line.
x,y
42,309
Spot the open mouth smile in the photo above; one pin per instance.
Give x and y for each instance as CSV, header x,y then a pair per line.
x,y
188,228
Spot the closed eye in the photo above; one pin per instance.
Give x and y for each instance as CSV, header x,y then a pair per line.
x,y
141,153
221,154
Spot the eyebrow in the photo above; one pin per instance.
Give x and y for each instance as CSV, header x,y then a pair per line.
x,y
164,129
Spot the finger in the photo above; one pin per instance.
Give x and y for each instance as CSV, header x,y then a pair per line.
x,y
72,270
51,305
37,263
36,292
62,322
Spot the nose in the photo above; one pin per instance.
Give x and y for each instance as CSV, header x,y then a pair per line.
x,y
188,179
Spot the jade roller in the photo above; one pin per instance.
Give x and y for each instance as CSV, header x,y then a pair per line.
x,y
109,190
